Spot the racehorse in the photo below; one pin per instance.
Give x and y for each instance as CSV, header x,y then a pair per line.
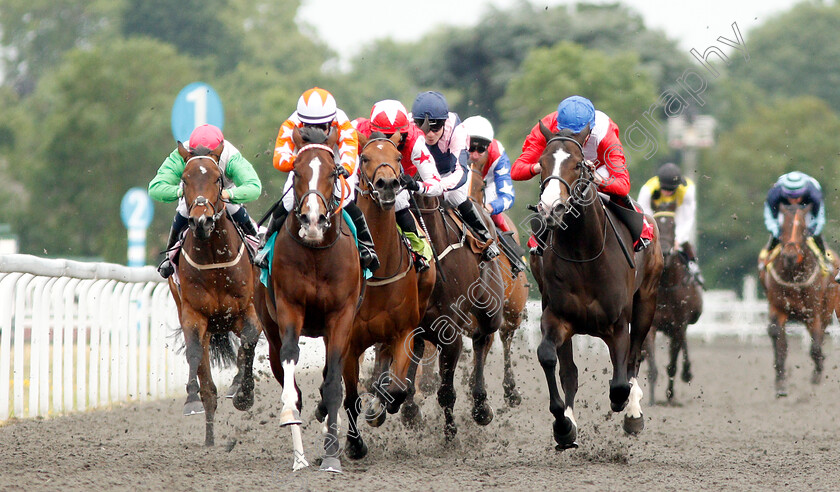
x,y
393,303
314,287
216,291
679,303
516,286
799,288
468,298
588,285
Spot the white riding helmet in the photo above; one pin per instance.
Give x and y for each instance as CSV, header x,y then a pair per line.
x,y
316,106
478,126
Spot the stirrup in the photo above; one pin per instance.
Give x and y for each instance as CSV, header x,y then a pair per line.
x,y
368,258
492,251
536,251
641,244
261,259
166,269
421,264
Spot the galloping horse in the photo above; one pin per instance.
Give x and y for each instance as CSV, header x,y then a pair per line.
x,y
468,298
799,288
216,293
516,287
394,303
679,303
314,287
588,285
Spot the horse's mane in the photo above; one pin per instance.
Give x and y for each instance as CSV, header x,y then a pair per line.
x,y
313,135
374,135
565,132
201,151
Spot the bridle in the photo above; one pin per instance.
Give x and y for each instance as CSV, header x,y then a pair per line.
x,y
332,207
368,180
659,215
577,191
201,200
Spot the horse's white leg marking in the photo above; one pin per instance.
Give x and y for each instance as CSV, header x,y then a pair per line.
x,y
289,395
634,402
551,193
570,414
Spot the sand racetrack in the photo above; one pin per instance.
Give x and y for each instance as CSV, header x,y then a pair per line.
x,y
728,432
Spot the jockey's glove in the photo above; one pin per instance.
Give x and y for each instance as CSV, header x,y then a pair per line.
x,y
342,171
409,183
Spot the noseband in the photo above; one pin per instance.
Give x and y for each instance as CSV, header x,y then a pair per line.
x,y
201,200
368,181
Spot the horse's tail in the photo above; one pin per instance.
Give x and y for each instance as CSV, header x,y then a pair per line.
x,y
222,349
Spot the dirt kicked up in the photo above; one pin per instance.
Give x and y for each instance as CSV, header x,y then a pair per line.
x,y
728,431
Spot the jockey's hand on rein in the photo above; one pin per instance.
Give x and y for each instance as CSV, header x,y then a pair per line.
x,y
342,171
409,183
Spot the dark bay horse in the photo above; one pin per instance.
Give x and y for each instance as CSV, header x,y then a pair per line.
x,y
216,294
679,303
516,286
314,287
588,286
468,298
393,303
797,288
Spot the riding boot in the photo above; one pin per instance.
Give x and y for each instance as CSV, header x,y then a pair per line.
x,y
275,222
367,253
471,216
244,220
818,240
762,256
406,222
166,268
541,234
691,262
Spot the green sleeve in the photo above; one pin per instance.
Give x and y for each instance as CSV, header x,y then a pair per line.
x,y
165,186
247,186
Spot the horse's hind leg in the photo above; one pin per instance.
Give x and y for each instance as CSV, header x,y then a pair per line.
x,y
411,415
209,395
447,361
356,447
653,372
481,413
243,395
336,345
674,354
512,396
686,371
776,330
817,335
565,428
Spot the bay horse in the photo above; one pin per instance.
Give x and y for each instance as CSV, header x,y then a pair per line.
x,y
798,288
679,303
516,286
216,291
393,303
314,287
588,285
468,298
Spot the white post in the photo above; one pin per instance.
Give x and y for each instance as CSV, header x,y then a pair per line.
x,y
7,286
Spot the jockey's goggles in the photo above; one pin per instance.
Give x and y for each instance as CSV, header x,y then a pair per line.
x,y
478,146
325,127
434,125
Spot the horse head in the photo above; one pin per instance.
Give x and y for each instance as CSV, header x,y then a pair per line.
x,y
566,178
665,215
316,173
794,232
477,183
202,184
379,164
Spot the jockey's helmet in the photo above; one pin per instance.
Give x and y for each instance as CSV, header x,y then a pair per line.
x,y
478,128
389,117
208,136
316,106
670,177
793,183
431,105
575,113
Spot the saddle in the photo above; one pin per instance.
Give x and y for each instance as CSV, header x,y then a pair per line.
x,y
476,245
626,213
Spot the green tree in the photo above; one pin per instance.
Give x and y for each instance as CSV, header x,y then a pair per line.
x,y
796,134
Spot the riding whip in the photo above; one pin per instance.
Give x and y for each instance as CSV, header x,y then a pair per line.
x,y
426,231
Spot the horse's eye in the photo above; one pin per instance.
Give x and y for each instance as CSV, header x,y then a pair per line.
x,y
399,158
365,159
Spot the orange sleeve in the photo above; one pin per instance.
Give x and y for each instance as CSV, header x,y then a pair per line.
x,y
348,143
284,148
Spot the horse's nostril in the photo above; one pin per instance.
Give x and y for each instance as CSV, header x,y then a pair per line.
x,y
380,183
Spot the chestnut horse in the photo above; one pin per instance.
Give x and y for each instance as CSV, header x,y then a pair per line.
x,y
679,303
588,285
216,293
797,288
516,286
393,303
314,287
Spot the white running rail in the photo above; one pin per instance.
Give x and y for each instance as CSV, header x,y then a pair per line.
x,y
75,336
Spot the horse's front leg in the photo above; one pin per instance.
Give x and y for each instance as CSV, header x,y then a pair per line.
x,y
512,396
481,412
817,329
290,324
243,392
619,346
448,361
208,391
568,379
356,447
194,326
556,333
776,330
338,329
653,372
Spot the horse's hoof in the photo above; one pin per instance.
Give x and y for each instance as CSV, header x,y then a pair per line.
x,y
290,416
193,408
330,464
449,431
634,425
482,414
411,415
234,388
781,389
512,397
356,449
242,401
687,376
320,412
565,439
816,378
618,396
375,418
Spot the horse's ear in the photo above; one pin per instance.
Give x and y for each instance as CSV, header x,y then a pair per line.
x,y
546,133
581,136
332,137
218,150
296,137
182,151
396,137
363,140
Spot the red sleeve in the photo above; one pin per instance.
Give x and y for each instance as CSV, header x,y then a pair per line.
x,y
532,149
611,156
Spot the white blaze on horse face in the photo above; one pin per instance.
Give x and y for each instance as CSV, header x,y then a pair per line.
x,y
634,401
551,194
313,232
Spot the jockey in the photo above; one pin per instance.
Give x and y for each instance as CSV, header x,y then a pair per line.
x,y
447,141
601,146
389,117
317,108
667,186
498,187
795,188
240,185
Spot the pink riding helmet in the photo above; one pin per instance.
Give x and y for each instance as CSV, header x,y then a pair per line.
x,y
206,135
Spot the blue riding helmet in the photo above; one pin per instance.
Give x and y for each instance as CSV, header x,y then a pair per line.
x,y
575,113
430,104
794,184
